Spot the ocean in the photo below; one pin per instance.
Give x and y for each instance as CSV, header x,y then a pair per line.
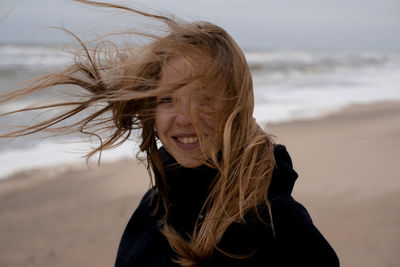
x,y
288,85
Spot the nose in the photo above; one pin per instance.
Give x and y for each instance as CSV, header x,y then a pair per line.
x,y
182,120
182,115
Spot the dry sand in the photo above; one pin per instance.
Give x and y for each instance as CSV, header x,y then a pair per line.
x,y
348,166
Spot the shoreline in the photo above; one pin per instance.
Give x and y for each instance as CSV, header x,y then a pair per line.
x,y
359,133
59,167
348,181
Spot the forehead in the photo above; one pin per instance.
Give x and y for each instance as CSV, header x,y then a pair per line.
x,y
193,75
181,68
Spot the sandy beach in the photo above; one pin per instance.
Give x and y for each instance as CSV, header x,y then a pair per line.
x,y
348,180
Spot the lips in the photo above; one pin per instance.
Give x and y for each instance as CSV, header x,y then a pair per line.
x,y
187,141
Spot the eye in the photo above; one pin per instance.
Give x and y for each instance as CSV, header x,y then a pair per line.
x,y
165,100
206,101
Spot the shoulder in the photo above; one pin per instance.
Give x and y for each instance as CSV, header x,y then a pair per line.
x,y
144,217
148,198
294,231
147,208
283,176
142,237
282,157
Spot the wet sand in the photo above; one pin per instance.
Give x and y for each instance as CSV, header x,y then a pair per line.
x,y
348,180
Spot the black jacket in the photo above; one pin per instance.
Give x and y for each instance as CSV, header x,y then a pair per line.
x,y
294,242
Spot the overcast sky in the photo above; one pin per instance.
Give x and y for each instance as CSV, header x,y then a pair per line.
x,y
370,25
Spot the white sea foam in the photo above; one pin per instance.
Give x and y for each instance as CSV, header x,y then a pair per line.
x,y
50,153
277,104
316,84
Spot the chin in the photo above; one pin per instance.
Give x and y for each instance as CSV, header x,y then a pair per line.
x,y
190,163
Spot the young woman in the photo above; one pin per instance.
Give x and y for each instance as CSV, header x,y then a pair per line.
x,y
221,194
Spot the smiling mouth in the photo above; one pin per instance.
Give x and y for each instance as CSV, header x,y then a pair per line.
x,y
188,140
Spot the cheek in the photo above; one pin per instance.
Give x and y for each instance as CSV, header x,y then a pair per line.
x,y
208,129
161,123
208,122
212,129
210,118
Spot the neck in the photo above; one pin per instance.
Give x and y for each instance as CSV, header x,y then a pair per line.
x,y
188,189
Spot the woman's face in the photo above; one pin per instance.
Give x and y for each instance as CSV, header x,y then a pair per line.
x,y
174,124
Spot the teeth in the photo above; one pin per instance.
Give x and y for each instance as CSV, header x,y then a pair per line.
x,y
188,140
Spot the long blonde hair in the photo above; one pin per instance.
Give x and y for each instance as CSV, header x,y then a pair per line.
x,y
122,85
